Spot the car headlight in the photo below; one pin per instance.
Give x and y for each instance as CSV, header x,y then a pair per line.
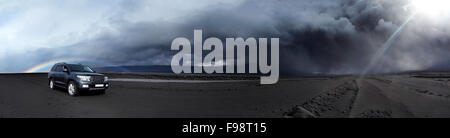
x,y
84,78
106,78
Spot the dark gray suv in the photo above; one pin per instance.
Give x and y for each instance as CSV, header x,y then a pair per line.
x,y
76,78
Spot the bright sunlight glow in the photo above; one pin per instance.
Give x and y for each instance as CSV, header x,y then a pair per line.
x,y
432,7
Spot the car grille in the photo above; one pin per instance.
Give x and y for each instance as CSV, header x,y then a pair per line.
x,y
98,79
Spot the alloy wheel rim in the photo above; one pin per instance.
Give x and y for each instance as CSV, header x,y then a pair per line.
x,y
71,89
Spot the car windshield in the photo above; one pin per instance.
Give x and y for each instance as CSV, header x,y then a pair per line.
x,y
80,68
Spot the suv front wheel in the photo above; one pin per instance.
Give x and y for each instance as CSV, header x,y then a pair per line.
x,y
72,89
51,84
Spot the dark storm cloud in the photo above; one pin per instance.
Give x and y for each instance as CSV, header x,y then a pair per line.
x,y
316,36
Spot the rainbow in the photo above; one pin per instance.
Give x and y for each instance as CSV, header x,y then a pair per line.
x,y
45,66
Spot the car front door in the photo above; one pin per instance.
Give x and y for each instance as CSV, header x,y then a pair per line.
x,y
64,75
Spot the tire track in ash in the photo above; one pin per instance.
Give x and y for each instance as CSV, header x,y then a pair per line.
x,y
368,98
419,105
334,103
373,103
438,89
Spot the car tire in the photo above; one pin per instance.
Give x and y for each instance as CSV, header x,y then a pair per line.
x,y
51,84
72,89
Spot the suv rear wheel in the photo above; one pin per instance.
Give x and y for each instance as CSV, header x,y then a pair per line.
x,y
72,89
51,84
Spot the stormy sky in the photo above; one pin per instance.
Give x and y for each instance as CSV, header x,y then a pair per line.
x,y
316,36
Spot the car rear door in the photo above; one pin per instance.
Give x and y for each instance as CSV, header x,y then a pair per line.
x,y
58,73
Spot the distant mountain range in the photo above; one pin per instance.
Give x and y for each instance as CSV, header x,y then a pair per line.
x,y
148,68
168,69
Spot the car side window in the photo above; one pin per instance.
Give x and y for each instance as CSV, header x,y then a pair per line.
x,y
58,68
53,68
